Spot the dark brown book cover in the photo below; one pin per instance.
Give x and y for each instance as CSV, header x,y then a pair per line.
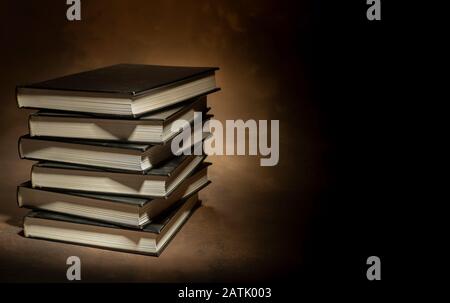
x,y
123,79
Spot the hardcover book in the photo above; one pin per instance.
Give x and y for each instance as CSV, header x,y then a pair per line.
x,y
121,210
151,239
153,128
116,155
154,183
129,90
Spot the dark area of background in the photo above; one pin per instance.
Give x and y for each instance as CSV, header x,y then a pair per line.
x,y
317,66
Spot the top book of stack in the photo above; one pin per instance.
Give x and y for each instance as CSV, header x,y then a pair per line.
x,y
123,90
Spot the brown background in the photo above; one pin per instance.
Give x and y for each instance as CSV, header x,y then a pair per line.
x,y
255,220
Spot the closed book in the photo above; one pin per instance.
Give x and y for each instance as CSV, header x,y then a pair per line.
x,y
129,90
121,210
151,239
116,155
155,183
155,128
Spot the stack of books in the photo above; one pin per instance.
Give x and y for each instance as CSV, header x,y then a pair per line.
x,y
107,174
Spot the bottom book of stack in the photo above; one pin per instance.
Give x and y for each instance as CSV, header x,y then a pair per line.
x,y
125,223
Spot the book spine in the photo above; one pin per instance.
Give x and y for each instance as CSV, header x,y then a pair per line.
x,y
29,125
19,148
31,175
18,197
16,95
